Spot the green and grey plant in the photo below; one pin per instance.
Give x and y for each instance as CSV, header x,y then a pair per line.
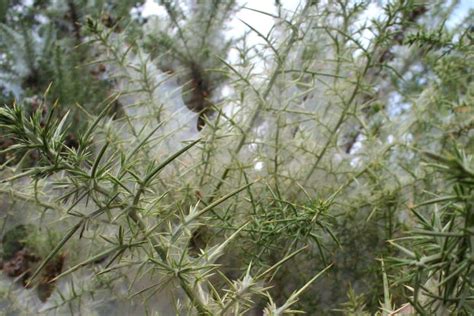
x,y
210,175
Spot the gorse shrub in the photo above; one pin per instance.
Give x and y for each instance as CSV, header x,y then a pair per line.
x,y
159,165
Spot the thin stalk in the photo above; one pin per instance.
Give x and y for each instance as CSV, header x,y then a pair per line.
x,y
263,97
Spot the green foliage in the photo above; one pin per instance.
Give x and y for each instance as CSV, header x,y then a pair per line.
x,y
14,240
327,168
438,258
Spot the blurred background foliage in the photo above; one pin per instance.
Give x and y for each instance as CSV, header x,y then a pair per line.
x,y
335,146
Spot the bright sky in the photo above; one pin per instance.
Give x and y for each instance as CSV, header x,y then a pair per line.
x,y
263,23
259,21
